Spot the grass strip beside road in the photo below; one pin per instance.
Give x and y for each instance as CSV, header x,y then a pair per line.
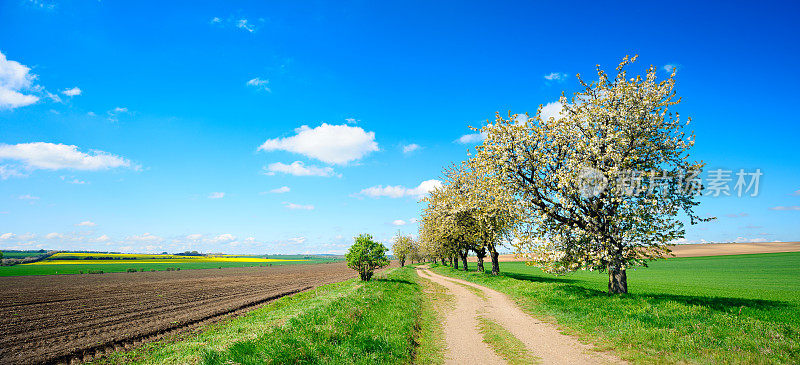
x,y
352,322
724,309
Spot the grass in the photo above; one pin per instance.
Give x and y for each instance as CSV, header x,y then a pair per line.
x,y
431,340
722,309
353,322
504,343
78,263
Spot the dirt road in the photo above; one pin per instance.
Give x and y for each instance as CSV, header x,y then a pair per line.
x,y
465,344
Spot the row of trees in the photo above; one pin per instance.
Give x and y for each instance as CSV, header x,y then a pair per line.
x,y
552,187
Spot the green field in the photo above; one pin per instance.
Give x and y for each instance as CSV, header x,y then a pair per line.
x,y
721,309
83,263
352,322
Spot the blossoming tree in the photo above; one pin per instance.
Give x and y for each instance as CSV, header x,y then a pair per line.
x,y
601,185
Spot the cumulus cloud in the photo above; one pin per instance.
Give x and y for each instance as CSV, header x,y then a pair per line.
x,y
297,240
72,92
298,168
54,235
216,195
280,190
51,156
223,238
147,237
553,110
86,224
399,191
472,138
100,239
556,76
194,237
246,25
16,82
260,84
28,197
399,222
294,206
789,207
333,144
410,148
670,67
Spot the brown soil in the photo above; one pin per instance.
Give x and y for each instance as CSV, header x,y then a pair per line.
x,y
69,318
708,249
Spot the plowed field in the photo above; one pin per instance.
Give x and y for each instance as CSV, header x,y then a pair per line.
x,y
66,318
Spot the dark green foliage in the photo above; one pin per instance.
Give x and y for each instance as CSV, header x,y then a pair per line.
x,y
366,255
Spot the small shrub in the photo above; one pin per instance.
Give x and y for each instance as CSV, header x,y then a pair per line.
x,y
131,270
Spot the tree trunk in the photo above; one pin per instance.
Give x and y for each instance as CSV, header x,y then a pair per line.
x,y
481,254
464,260
402,262
455,263
617,280
495,262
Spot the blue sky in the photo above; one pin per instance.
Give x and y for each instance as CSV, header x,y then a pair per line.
x,y
139,126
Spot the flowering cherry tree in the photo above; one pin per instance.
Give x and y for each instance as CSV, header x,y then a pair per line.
x,y
571,177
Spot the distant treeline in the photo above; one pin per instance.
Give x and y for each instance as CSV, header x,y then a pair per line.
x,y
24,259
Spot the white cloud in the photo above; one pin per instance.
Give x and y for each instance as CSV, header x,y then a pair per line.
x,y
113,114
750,240
258,83
54,235
294,206
297,240
280,190
298,168
399,191
552,110
103,238
556,76
15,78
86,224
351,120
670,67
472,138
27,197
413,220
411,148
73,180
7,236
72,92
216,195
796,192
223,238
147,237
51,156
215,20
244,24
194,237
399,222
333,144
790,207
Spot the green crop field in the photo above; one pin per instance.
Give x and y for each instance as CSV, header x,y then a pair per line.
x,y
84,263
720,309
